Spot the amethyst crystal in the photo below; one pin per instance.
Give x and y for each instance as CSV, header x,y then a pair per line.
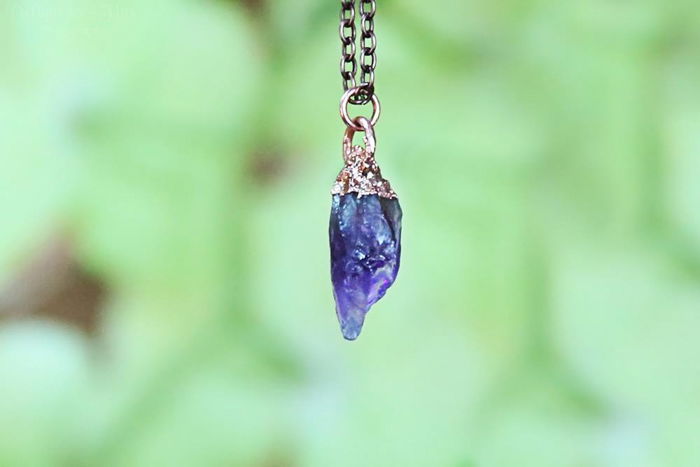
x,y
365,238
365,232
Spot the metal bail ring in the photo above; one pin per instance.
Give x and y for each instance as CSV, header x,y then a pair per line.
x,y
345,100
364,125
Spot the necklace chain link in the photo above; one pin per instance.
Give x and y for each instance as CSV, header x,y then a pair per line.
x,y
368,49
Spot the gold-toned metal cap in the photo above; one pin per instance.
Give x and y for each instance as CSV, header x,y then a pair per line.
x,y
361,173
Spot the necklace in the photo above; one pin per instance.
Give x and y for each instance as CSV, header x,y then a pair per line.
x,y
365,223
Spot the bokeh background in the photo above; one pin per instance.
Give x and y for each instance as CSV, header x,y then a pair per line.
x,y
165,299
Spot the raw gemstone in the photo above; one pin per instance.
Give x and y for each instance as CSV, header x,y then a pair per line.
x,y
365,239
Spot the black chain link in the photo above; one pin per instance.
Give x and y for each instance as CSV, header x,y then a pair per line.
x,y
368,49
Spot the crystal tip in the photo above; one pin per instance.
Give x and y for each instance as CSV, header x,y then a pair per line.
x,y
351,328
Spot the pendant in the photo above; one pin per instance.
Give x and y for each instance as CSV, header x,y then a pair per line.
x,y
364,231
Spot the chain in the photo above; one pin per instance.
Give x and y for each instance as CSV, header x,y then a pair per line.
x,y
368,49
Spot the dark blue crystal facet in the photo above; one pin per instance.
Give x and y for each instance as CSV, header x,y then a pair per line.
x,y
365,238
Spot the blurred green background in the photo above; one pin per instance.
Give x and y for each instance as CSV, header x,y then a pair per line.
x,y
165,299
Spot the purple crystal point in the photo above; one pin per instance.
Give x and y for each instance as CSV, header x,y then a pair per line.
x,y
365,238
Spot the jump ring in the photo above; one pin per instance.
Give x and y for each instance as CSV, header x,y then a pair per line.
x,y
345,100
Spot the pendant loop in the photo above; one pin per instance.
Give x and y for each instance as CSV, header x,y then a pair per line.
x,y
345,100
364,125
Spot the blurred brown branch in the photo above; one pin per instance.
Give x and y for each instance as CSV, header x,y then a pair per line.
x,y
53,285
